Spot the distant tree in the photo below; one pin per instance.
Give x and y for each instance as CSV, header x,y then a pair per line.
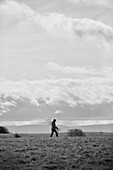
x,y
75,132
3,130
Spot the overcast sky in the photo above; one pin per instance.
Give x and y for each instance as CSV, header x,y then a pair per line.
x,y
56,60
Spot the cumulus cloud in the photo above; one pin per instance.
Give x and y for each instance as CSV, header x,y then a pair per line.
x,y
89,71
73,92
57,23
86,71
5,105
17,12
69,27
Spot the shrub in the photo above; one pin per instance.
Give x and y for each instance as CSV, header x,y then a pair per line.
x,y
3,130
16,135
75,132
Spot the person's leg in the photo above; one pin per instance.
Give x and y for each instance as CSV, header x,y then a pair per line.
x,y
51,133
56,132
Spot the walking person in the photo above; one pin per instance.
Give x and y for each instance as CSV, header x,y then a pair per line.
x,y
54,128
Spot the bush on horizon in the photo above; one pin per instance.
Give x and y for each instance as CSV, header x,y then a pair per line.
x,y
3,130
75,132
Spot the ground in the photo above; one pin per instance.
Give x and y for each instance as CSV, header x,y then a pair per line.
x,y
40,152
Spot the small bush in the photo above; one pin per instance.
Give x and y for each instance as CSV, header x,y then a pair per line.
x,y
16,135
75,132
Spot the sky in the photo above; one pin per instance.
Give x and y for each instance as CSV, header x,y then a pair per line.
x,y
56,61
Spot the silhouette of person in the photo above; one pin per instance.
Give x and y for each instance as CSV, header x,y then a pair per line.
x,y
54,128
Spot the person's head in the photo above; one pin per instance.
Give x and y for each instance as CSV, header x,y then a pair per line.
x,y
54,120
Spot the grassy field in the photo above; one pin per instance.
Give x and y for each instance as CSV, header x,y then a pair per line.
x,y
39,151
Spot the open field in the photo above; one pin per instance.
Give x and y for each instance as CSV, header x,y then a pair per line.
x,y
39,151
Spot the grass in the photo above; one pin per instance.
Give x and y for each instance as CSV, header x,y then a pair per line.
x,y
38,151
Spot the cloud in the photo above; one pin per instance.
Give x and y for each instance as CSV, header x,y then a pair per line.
x,y
5,105
23,123
73,92
57,23
19,15
53,66
85,72
88,71
103,3
85,122
59,112
5,110
68,123
12,11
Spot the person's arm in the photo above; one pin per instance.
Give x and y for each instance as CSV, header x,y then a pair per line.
x,y
56,127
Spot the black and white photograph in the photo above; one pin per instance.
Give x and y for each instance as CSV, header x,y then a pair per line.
x,y
56,84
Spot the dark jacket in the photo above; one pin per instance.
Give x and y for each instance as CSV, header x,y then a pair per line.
x,y
54,127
